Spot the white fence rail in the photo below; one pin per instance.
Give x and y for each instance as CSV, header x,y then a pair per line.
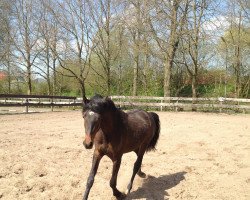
x,y
183,103
162,103
15,100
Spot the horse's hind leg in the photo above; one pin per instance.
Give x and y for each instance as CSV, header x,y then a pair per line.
x,y
137,166
140,173
113,180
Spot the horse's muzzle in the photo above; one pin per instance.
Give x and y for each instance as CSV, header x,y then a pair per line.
x,y
88,145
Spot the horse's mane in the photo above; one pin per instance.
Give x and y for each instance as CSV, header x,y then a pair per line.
x,y
99,104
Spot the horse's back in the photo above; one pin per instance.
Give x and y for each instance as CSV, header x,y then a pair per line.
x,y
140,118
139,129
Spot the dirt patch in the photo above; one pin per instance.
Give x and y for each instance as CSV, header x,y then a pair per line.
x,y
199,156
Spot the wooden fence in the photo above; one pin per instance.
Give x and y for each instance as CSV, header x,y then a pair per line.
x,y
12,100
183,103
161,103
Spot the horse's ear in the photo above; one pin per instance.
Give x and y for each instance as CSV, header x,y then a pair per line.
x,y
85,101
107,98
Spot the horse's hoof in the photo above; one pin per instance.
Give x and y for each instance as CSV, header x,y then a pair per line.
x,y
121,196
141,174
127,192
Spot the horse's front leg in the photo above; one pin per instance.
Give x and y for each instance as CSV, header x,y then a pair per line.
x,y
113,180
137,166
95,163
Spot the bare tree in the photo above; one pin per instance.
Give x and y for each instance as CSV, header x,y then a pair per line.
x,y
6,43
75,21
245,6
166,23
26,37
192,42
236,41
135,29
120,56
238,57
101,15
48,44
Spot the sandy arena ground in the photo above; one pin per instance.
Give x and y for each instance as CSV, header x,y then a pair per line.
x,y
199,156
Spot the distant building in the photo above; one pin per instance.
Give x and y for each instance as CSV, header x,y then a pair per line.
x,y
3,75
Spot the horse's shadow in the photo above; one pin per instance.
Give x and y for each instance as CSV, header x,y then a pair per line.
x,y
155,188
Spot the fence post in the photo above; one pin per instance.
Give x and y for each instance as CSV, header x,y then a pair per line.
x,y
74,103
51,101
221,102
161,105
27,107
120,102
176,106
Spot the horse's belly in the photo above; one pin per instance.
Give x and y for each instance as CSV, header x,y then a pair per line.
x,y
135,142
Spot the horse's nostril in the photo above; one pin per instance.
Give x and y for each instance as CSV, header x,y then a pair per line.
x,y
88,146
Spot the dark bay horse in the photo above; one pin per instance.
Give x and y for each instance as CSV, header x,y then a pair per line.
x,y
114,132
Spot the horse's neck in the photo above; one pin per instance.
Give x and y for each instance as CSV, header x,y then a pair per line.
x,y
111,124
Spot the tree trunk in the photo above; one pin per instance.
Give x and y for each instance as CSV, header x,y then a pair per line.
x,y
54,77
237,81
48,81
8,56
83,91
9,74
173,44
135,79
29,81
167,75
108,62
48,69
194,86
108,80
119,88
238,59
29,91
137,46
145,68
194,94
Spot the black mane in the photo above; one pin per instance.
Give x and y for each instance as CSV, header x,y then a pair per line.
x,y
100,104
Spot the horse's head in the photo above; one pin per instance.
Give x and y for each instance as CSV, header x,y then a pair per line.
x,y
92,122
94,111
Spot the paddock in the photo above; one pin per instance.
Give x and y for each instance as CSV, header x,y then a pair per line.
x,y
198,156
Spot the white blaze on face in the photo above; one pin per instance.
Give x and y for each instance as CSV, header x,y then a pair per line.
x,y
91,113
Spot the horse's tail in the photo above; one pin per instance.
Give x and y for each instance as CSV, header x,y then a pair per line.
x,y
155,138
